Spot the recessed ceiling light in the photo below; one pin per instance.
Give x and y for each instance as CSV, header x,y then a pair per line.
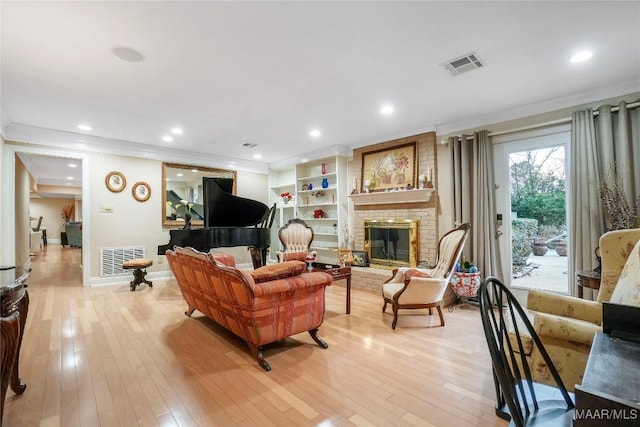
x,y
73,165
194,170
167,179
581,56
257,156
179,174
127,54
386,110
69,177
176,131
167,138
315,133
84,127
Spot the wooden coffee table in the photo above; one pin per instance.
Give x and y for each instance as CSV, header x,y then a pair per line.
x,y
338,273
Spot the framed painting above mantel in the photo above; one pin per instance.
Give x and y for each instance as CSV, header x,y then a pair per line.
x,y
389,168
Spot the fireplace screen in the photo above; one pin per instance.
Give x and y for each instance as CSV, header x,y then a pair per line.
x,y
392,242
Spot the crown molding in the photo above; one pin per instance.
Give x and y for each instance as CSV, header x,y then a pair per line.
x,y
332,150
571,101
87,143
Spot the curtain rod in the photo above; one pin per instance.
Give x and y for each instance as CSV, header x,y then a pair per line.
x,y
556,122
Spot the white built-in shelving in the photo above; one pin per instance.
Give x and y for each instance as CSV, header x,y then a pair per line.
x,y
305,183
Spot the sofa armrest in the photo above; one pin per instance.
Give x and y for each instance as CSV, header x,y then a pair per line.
x,y
564,328
307,280
565,306
277,271
224,259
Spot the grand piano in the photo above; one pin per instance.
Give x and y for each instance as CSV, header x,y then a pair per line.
x,y
228,221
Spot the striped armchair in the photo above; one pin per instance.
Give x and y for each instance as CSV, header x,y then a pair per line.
x,y
260,306
410,288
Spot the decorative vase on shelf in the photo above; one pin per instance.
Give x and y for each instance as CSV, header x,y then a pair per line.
x,y
187,222
324,169
325,183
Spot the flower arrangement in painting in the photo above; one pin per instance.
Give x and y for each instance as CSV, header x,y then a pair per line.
x,y
388,171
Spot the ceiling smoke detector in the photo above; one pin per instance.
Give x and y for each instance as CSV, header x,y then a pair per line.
x,y
464,63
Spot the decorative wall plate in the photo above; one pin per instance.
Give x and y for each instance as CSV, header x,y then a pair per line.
x,y
141,191
115,181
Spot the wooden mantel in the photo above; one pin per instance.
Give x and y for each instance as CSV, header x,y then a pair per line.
x,y
392,197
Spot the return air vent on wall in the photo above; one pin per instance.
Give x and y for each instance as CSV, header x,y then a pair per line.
x,y
463,63
111,259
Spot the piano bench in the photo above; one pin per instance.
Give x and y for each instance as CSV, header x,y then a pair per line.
x,y
137,265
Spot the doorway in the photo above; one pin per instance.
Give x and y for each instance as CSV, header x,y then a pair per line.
x,y
8,223
531,177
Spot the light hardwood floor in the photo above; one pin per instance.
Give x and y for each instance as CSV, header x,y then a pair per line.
x,y
105,356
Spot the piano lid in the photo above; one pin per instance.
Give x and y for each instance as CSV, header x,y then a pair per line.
x,y
223,209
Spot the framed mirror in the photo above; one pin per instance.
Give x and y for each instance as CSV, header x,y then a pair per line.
x,y
182,192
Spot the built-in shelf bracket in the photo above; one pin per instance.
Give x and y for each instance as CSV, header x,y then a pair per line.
x,y
390,197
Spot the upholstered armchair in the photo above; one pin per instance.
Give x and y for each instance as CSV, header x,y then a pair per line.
x,y
74,233
566,325
296,237
424,287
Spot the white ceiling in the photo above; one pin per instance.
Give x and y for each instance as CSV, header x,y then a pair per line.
x,y
268,72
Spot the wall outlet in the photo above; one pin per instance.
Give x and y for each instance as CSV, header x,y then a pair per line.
x,y
160,259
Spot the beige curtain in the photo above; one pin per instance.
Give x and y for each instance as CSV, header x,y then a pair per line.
x,y
602,145
474,198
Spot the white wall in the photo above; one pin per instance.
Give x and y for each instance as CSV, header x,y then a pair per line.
x,y
131,223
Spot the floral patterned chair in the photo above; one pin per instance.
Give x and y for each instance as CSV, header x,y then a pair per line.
x,y
566,325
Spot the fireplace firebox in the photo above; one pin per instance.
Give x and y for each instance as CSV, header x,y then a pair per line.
x,y
392,242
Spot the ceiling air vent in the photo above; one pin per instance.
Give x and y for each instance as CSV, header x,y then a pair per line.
x,y
463,63
249,145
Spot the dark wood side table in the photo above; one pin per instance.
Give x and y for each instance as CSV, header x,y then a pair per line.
x,y
587,279
14,305
338,273
608,395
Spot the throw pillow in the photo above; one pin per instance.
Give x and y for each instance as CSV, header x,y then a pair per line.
x,y
295,256
627,290
277,271
412,272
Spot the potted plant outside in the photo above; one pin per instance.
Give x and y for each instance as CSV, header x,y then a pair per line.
x,y
539,246
466,279
561,248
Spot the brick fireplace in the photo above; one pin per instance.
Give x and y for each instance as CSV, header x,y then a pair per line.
x,y
393,206
420,206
